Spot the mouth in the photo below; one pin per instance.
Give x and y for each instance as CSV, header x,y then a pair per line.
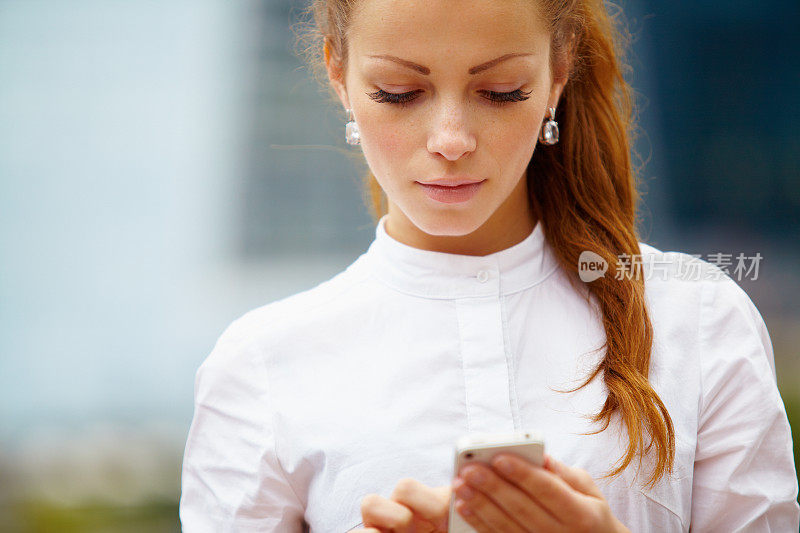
x,y
452,194
450,182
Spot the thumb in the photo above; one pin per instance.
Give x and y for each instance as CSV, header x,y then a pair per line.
x,y
441,497
431,504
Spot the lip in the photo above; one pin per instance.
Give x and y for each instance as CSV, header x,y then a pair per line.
x,y
452,194
450,182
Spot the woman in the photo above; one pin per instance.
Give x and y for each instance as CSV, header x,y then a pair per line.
x,y
339,407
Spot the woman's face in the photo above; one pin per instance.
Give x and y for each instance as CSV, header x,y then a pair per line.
x,y
474,80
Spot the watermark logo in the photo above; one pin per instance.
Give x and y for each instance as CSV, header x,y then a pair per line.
x,y
591,266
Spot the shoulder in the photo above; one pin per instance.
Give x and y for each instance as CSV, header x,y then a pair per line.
x,y
705,298
675,267
671,271
674,287
254,333
668,271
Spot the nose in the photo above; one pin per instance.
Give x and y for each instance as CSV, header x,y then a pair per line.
x,y
450,133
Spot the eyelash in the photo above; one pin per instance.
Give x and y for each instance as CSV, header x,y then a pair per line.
x,y
402,99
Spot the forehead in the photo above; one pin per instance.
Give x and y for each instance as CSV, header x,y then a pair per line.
x,y
447,32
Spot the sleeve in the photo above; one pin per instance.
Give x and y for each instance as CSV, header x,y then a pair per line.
x,y
231,479
744,473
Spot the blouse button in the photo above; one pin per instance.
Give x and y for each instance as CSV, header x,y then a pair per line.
x,y
483,276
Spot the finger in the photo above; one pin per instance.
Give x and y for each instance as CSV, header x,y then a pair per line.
x,y
429,503
380,512
365,530
469,517
483,514
507,498
547,488
577,478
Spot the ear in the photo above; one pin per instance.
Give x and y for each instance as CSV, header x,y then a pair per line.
x,y
555,91
561,71
333,65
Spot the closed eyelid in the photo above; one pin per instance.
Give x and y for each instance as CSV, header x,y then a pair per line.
x,y
495,97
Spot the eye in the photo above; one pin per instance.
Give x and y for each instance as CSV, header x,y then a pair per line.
x,y
403,98
393,98
504,98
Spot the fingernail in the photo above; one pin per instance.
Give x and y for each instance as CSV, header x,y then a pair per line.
x,y
464,510
464,492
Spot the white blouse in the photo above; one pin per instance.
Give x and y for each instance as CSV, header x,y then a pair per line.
x,y
309,403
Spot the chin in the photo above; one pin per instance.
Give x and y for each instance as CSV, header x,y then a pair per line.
x,y
447,224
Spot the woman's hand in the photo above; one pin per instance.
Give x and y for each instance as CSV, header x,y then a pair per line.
x,y
412,508
526,497
530,498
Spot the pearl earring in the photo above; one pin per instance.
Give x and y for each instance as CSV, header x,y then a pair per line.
x,y
549,132
351,133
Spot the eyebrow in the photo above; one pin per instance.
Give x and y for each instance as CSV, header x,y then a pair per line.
x,y
425,70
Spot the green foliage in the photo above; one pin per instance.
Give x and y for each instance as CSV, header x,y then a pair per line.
x,y
40,517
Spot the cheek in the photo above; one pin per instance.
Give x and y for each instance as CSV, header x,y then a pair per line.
x,y
388,140
516,138
386,144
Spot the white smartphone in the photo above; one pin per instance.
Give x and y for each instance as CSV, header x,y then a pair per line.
x,y
481,448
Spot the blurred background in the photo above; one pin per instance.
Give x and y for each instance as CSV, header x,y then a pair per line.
x,y
167,166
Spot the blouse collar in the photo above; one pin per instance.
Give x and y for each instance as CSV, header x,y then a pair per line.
x,y
442,275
